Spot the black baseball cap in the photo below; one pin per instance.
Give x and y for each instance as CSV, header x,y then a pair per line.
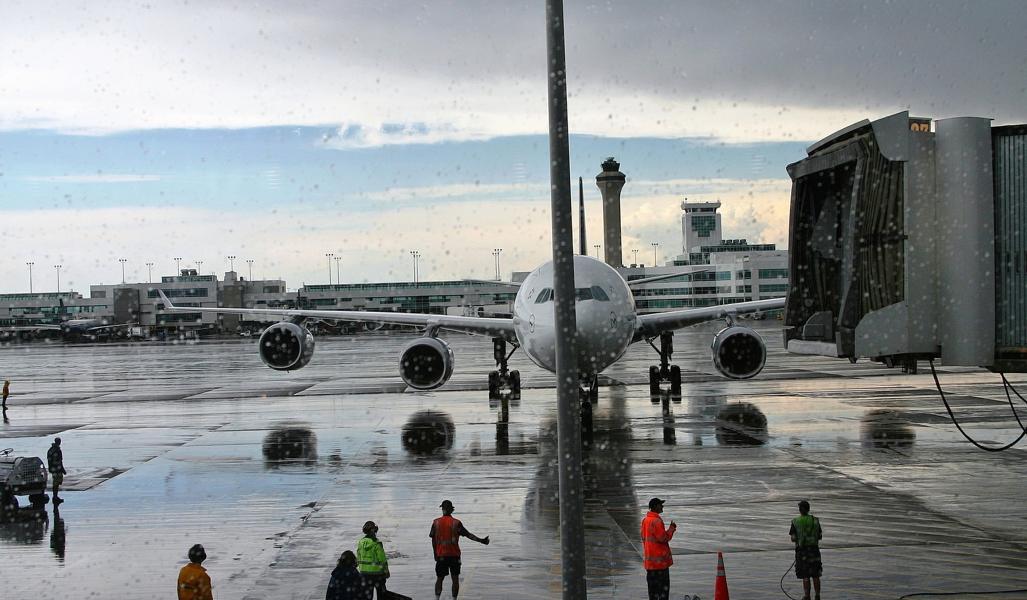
x,y
654,502
446,504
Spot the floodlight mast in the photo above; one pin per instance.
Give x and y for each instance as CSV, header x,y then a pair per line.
x,y
568,415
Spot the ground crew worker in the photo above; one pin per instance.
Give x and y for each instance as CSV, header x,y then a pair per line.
x,y
445,544
7,392
656,557
806,534
371,560
55,463
193,581
346,582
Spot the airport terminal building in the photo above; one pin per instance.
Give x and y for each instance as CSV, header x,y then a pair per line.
x,y
709,271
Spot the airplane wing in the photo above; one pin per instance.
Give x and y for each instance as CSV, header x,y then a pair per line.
x,y
654,324
476,325
115,326
19,328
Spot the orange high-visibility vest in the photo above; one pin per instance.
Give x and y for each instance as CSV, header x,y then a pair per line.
x,y
447,536
655,543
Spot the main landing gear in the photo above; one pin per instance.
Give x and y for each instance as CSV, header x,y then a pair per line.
x,y
665,372
503,377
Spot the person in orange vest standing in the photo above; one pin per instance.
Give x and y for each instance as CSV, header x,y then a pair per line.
x,y
445,543
656,551
193,581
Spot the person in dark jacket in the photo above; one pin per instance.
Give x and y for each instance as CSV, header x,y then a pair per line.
x,y
346,582
55,463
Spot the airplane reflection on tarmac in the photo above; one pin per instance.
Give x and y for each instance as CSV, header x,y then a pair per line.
x,y
290,443
885,429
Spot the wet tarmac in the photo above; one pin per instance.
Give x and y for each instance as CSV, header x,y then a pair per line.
x,y
171,445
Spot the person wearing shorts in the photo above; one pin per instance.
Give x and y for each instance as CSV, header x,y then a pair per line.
x,y
445,536
806,534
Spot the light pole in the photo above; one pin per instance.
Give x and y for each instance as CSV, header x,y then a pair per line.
x,y
635,252
249,263
231,263
329,256
597,247
122,261
30,275
149,272
655,245
58,267
338,269
495,253
178,265
416,256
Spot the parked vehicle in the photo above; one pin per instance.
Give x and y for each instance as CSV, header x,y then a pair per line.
x,y
21,476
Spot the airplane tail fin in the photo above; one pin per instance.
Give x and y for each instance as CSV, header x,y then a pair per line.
x,y
164,299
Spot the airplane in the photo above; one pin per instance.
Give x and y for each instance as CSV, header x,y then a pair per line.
x,y
70,330
607,324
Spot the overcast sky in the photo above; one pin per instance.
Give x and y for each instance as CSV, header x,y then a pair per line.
x,y
741,86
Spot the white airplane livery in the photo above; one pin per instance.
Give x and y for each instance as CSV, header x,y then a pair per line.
x,y
607,323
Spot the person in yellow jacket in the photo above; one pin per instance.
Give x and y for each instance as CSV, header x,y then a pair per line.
x,y
193,581
371,560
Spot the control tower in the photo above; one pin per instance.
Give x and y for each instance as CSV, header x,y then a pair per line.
x,y
700,225
610,182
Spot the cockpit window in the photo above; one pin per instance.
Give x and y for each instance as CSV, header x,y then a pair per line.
x,y
599,294
582,294
544,296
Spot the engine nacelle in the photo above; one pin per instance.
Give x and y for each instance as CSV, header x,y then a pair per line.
x,y
426,363
286,346
739,352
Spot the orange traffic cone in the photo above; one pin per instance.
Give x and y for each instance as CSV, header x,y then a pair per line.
x,y
720,587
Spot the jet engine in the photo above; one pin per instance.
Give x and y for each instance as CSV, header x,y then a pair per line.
x,y
426,363
286,346
739,352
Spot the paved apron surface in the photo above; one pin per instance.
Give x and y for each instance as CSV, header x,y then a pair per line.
x,y
170,445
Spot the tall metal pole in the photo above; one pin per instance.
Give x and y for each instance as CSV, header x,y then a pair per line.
x,y
231,263
30,275
655,245
178,265
249,263
597,247
329,256
199,267
581,217
416,255
635,252
568,414
149,272
338,269
58,267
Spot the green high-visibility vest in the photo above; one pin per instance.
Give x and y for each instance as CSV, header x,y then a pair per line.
x,y
371,556
807,530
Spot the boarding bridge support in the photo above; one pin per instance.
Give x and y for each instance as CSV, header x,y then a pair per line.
x,y
907,243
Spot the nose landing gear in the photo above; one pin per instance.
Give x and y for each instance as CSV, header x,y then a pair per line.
x,y
665,372
503,377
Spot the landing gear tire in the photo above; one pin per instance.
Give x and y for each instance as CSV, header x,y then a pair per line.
x,y
654,380
38,500
515,384
493,384
675,380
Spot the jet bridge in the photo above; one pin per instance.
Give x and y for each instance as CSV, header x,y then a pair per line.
x,y
907,243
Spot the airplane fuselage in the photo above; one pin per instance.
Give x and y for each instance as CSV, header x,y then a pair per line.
x,y
605,316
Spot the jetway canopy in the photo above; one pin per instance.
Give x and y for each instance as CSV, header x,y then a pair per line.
x,y
906,243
